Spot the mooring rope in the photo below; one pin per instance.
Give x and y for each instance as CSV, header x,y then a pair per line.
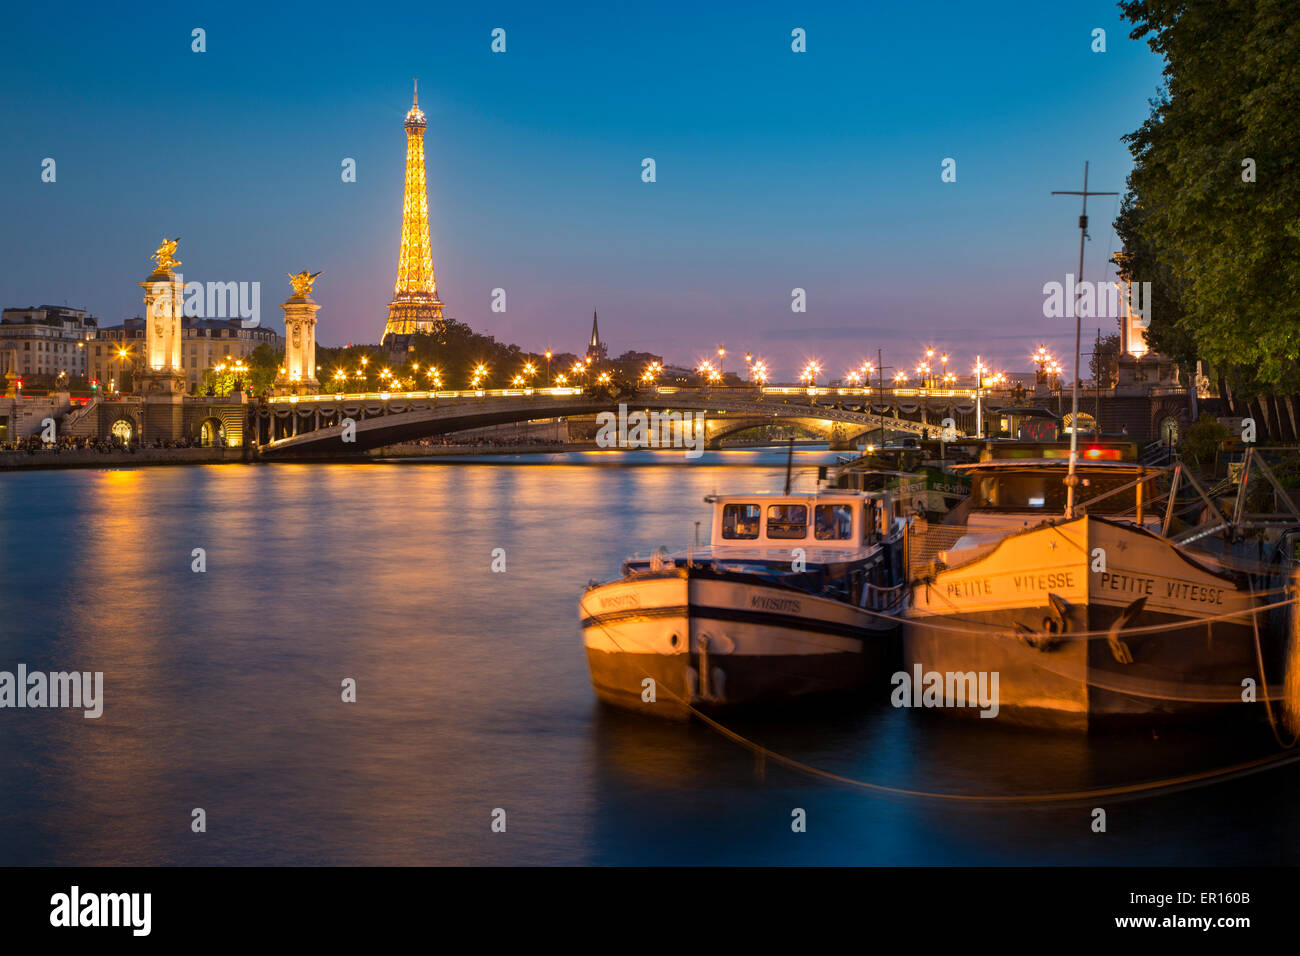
x,y
1263,678
1122,792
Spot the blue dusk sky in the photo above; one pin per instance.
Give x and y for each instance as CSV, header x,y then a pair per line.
x,y
775,169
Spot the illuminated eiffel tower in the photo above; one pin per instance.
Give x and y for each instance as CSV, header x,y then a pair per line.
x,y
415,306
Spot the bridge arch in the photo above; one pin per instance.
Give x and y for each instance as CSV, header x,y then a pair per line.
x,y
123,430
212,431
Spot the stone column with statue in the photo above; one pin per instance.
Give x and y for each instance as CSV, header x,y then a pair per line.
x,y
161,379
164,297
12,378
298,370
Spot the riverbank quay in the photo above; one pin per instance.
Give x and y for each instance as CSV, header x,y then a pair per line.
x,y
458,451
23,460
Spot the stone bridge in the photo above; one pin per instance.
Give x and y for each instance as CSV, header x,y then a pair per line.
x,y
310,426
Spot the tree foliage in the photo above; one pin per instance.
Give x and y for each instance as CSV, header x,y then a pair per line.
x,y
1220,251
1201,441
1104,361
454,353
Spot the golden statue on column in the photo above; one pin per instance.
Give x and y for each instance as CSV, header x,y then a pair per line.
x,y
164,298
298,371
302,282
165,256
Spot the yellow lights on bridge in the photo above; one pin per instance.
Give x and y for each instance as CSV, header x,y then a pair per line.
x,y
1049,369
936,371
711,374
927,372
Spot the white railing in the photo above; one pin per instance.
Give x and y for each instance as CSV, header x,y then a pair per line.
x,y
558,392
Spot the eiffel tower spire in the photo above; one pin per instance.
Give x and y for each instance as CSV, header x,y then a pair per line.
x,y
415,306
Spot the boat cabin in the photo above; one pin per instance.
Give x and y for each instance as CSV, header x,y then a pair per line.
x,y
836,520
1020,485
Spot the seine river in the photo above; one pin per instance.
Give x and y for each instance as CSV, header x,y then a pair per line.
x,y
222,691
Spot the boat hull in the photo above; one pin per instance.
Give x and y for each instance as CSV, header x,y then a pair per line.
x,y
1061,614
667,643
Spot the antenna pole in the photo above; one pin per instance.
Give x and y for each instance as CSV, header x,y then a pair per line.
x,y
880,368
1071,478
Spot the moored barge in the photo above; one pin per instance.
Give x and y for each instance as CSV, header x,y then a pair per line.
x,y
796,594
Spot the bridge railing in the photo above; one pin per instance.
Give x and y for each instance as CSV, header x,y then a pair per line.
x,y
868,392
775,391
406,396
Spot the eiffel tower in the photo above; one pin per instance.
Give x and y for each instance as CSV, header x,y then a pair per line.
x,y
415,307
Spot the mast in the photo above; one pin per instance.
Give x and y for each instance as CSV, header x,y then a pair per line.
x,y
1071,478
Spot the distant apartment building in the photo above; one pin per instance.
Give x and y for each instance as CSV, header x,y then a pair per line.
x,y
207,343
45,340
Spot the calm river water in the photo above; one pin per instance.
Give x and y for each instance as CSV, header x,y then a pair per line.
x,y
222,691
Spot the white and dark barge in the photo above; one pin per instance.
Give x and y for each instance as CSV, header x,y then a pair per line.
x,y
796,594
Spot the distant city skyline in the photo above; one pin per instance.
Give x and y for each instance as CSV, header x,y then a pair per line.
x,y
775,170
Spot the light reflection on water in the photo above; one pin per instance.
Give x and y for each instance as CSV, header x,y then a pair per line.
x,y
223,691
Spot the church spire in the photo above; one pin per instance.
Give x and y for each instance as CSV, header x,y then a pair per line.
x,y
595,348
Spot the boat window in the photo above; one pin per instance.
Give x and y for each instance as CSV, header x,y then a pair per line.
x,y
740,521
834,522
787,521
1045,491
